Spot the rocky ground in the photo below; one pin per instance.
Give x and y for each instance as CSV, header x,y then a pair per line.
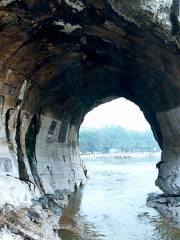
x,y
168,206
21,217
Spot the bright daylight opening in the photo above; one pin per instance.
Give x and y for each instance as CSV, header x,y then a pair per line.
x,y
114,127
120,154
119,112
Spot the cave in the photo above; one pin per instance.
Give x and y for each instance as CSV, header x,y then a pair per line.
x,y
60,59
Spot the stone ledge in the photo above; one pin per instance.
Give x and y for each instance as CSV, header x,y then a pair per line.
x,y
169,207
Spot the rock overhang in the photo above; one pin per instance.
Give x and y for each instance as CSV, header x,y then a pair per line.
x,y
59,59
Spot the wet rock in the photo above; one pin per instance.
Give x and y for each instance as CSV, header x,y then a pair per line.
x,y
34,216
54,207
59,194
9,208
169,207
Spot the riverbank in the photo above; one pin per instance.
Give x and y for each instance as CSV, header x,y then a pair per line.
x,y
122,155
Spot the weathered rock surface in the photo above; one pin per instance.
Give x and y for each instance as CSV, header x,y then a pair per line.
x,y
169,207
60,59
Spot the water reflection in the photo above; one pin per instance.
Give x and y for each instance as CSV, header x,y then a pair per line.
x,y
112,205
73,225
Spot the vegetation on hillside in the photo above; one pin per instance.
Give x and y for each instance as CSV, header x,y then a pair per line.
x,y
115,138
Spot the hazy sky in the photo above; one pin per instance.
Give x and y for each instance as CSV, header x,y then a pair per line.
x,y
117,112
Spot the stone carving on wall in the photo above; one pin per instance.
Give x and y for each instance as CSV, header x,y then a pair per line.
x,y
1,104
8,89
52,128
5,165
63,131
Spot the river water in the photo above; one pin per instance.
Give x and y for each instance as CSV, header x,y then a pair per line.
x,y
112,205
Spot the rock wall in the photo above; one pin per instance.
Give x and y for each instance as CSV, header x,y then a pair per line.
x,y
60,59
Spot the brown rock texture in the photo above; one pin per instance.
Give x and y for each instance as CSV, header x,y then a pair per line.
x,y
61,58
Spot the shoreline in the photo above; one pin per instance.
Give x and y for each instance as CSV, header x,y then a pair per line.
x,y
122,155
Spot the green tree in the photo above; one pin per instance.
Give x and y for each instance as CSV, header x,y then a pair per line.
x,y
106,138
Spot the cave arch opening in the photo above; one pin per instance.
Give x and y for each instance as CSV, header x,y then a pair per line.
x,y
119,178
117,129
121,117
